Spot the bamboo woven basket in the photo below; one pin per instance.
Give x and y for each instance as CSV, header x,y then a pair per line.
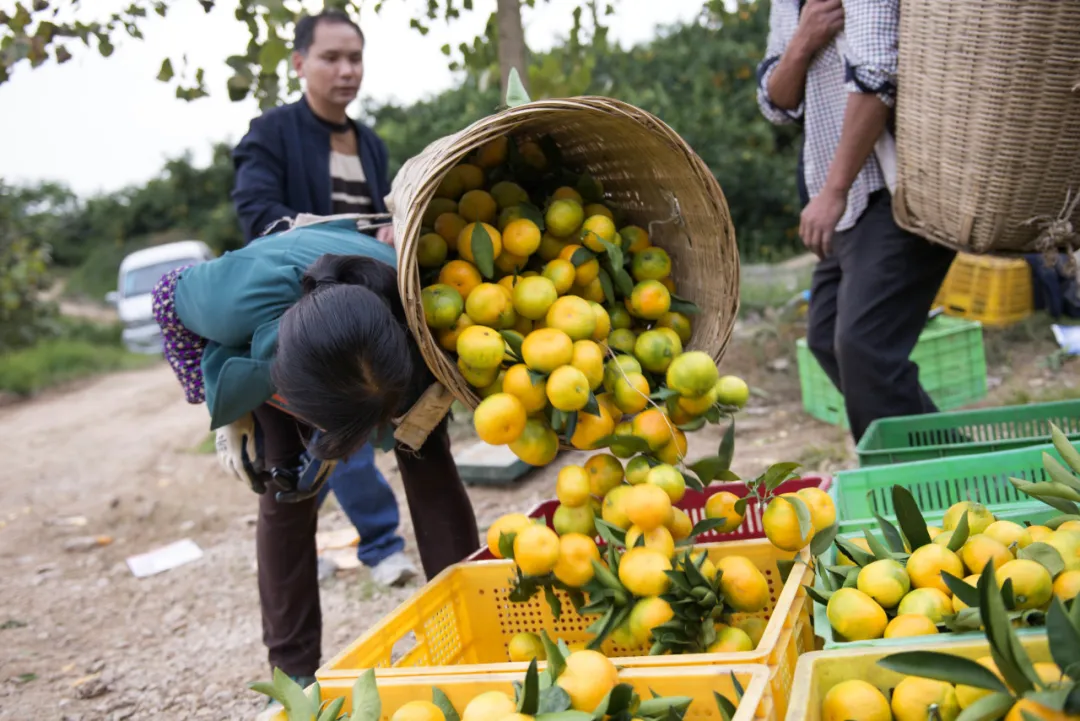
x,y
648,174
988,123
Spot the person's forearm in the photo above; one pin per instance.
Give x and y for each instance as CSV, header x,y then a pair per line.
x,y
864,119
787,84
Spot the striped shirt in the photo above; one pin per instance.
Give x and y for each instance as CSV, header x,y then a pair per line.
x,y
349,191
861,59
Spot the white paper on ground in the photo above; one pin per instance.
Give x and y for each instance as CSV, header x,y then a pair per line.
x,y
1068,337
164,558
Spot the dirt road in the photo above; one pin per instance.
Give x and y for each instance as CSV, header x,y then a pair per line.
x,y
81,638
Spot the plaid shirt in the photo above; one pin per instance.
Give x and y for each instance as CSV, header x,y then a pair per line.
x,y
861,59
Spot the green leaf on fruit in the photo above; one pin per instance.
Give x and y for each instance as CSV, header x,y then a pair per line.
x,y
614,252
802,512
880,550
960,534
440,699
581,256
529,701
367,706
726,451
1045,555
968,594
910,518
822,540
483,250
684,306
506,544
892,536
514,340
724,705
556,659
857,555
943,667
777,474
553,699
606,284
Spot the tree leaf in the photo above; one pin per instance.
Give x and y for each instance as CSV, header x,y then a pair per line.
x,y
785,566
705,525
1061,474
620,699
333,710
483,250
530,212
556,659
1063,636
684,306
581,256
823,539
624,284
777,474
1034,490
1045,555
966,593
296,703
879,549
633,444
892,536
553,700
609,289
663,393
592,407
441,700
910,518
553,601
802,512
530,691
960,534
818,594
1054,698
988,708
999,632
513,339
725,706
706,468
943,667
1065,449
739,691
165,74
515,91
610,532
589,188
858,556
366,705
656,706
727,447
267,689
695,425
614,253
506,544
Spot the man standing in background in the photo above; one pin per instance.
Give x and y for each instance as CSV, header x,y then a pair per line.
x,y
832,66
310,157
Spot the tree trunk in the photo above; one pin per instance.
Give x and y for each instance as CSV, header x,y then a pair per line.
x,y
512,50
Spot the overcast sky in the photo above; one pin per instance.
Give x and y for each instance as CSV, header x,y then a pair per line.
x,y
99,124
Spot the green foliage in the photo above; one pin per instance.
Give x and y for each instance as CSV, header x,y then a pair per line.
x,y
24,272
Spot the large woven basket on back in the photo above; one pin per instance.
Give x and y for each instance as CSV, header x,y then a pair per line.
x,y
648,174
988,122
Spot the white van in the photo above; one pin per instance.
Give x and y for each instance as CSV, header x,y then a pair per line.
x,y
139,273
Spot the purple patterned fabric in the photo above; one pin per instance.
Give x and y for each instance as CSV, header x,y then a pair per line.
x,y
183,349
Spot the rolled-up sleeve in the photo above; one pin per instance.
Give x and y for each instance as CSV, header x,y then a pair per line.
x,y
783,21
872,34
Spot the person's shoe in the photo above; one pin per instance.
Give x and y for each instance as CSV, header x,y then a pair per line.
x,y
394,570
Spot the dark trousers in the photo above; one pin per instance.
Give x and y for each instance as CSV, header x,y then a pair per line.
x,y
442,516
868,304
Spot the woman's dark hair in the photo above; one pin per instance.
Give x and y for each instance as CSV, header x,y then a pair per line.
x,y
346,361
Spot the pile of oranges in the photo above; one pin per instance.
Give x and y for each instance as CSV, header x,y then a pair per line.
x,y
565,323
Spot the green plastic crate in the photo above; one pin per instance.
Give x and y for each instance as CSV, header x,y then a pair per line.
x,y
939,483
952,369
960,433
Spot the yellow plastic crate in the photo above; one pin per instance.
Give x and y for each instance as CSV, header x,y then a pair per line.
x,y
462,621
698,682
995,291
820,671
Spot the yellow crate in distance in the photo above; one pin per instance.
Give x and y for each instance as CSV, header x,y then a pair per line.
x,y
698,682
462,622
820,671
996,291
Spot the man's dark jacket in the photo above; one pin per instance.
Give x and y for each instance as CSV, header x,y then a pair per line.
x,y
283,168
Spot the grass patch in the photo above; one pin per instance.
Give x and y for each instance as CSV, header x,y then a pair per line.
x,y
82,349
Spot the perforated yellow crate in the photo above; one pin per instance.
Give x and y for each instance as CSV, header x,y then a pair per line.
x,y
995,291
698,682
820,671
462,621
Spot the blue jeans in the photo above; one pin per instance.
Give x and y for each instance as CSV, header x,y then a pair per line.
x,y
367,500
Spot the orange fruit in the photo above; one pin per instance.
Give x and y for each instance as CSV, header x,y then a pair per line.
x,y
822,508
885,581
929,602
620,317
536,549
1067,585
926,563
673,337
451,186
521,237
567,389
743,584
637,469
648,506
526,646
538,444
653,427
855,699
585,272
649,300
588,677
650,264
568,519
681,525
564,217
637,239
532,393
477,377
618,367
492,153
499,419
603,322
605,473
477,206
572,486
655,351
694,407
613,509
562,273
489,305
533,297
918,699
509,523
642,570
431,250
1008,533
435,208
980,550
732,391
508,216
481,347
465,240
852,614
722,505
731,640
647,614
448,336
622,340
598,209
418,711
442,305
668,479
462,276
910,624
546,349
1027,708
589,359
659,538
509,263
507,194
677,322
593,292
576,555
591,428
631,393
572,315
509,282
471,176
567,193
979,517
595,229
550,247
692,374
1032,585
781,524
495,387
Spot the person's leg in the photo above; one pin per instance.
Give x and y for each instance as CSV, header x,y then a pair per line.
x,y
442,514
367,500
285,548
821,317
890,278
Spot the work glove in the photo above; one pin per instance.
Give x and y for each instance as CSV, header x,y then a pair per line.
x,y
238,452
302,481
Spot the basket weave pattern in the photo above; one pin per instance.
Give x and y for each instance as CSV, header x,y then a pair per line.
x,y
643,165
988,122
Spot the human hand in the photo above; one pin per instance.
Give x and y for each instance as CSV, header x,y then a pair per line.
x,y
237,453
385,234
820,21
818,220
